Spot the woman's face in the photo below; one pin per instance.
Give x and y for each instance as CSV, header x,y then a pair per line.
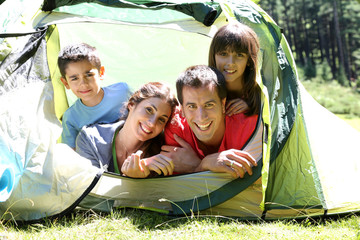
x,y
231,64
148,118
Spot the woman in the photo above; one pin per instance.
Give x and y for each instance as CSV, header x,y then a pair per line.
x,y
234,51
118,146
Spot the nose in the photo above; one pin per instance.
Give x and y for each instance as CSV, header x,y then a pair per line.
x,y
202,114
84,80
151,121
230,59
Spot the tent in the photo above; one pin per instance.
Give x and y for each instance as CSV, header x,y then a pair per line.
x,y
308,163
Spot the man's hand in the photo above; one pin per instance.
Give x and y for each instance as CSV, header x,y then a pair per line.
x,y
233,161
184,157
235,106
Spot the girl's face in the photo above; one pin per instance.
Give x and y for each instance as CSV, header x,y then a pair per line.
x,y
148,118
231,64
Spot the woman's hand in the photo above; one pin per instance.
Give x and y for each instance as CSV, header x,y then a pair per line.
x,y
134,167
235,106
160,164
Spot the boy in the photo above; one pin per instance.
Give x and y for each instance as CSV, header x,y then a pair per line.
x,y
81,71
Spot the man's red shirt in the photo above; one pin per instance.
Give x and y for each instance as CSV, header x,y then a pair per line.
x,y
238,129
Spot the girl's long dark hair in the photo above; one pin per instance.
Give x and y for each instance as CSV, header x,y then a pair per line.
x,y
241,39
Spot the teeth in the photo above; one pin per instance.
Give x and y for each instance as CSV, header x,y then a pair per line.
x,y
145,129
230,71
203,126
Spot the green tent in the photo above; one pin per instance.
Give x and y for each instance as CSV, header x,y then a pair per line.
x,y
308,161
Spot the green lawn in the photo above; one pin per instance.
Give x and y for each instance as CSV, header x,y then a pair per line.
x,y
136,224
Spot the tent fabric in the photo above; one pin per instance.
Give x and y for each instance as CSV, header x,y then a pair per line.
x,y
299,148
203,13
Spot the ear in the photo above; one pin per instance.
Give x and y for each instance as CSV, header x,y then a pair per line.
x,y
182,111
223,104
102,72
130,107
64,81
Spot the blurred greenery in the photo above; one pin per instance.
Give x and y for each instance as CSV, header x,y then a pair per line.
x,y
331,94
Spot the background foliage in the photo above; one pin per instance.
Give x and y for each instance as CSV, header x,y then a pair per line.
x,y
324,36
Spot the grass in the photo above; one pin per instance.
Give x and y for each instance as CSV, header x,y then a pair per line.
x,y
335,98
342,101
137,224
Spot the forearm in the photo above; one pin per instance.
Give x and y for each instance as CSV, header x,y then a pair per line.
x,y
204,164
187,166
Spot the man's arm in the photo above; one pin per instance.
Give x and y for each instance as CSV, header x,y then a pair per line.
x,y
183,156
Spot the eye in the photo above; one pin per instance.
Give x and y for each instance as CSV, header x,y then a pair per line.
x,y
162,120
209,105
222,53
191,106
240,55
74,78
149,110
89,75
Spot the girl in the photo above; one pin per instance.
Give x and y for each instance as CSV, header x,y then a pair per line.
x,y
118,146
234,50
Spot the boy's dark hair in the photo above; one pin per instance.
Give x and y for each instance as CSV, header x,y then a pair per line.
x,y
201,76
78,52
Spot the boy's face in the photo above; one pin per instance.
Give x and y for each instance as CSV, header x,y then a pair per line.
x,y
204,112
84,81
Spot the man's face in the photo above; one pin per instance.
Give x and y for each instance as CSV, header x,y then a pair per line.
x,y
204,112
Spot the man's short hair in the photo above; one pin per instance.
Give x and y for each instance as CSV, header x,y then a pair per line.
x,y
201,76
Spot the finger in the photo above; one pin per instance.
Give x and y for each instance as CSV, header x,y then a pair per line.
x,y
241,163
155,168
136,161
164,163
247,156
181,141
165,153
125,166
229,103
146,170
168,160
232,171
239,171
159,168
168,163
167,148
242,166
139,153
235,108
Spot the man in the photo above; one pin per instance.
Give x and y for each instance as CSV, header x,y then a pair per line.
x,y
202,137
